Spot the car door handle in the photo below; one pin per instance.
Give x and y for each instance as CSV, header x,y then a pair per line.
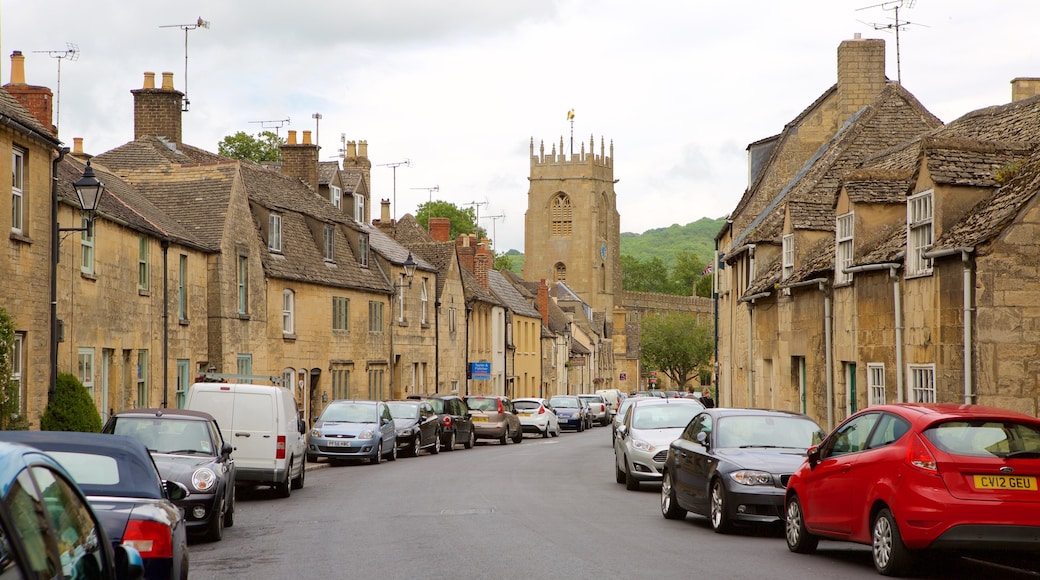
x,y
845,468
241,434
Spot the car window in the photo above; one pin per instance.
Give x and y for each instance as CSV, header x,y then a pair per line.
x,y
79,546
564,402
482,404
349,413
700,424
527,405
29,523
385,413
663,416
985,438
403,410
889,430
852,436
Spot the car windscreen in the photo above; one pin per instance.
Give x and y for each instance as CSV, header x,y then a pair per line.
x,y
482,404
527,405
766,432
663,416
403,410
986,438
167,435
564,402
349,413
593,399
438,405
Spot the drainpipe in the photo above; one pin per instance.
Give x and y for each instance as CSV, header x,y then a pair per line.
x,y
166,322
436,343
897,299
823,284
968,308
750,300
55,245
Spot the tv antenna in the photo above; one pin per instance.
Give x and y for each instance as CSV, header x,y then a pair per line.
x,y
317,119
407,163
896,24
71,53
494,222
476,205
275,124
200,23
430,189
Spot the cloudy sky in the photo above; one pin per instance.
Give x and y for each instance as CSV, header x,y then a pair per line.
x,y
460,87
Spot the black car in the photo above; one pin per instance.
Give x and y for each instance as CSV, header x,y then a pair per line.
x,y
47,527
123,487
188,448
456,420
733,465
418,426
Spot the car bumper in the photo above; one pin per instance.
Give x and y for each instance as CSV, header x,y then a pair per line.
x,y
945,522
206,503
489,430
357,449
646,466
755,503
534,423
570,422
249,476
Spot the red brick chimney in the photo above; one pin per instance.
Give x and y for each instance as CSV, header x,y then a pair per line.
x,y
157,112
543,301
465,251
300,160
481,265
861,73
38,100
440,229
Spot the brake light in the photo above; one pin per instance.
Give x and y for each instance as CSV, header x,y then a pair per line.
x,y
541,410
279,450
447,421
500,410
918,455
151,539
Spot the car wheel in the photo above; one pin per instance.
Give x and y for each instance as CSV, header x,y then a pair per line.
x,y
631,483
798,537
891,556
377,457
472,440
436,444
416,446
504,439
619,474
519,437
669,505
546,434
581,426
229,513
449,445
298,482
284,489
717,508
393,453
215,530
556,433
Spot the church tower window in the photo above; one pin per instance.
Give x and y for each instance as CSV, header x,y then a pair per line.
x,y
561,272
560,216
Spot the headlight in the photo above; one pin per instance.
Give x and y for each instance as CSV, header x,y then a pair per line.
x,y
642,445
406,432
748,477
204,479
366,434
315,432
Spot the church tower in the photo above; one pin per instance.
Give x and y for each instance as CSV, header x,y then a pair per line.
x,y
573,230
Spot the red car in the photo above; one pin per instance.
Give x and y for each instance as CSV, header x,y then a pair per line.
x,y
904,478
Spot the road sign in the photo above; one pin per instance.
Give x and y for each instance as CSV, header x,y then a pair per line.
x,y
622,376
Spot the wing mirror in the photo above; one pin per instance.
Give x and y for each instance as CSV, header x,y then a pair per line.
x,y
703,438
813,454
175,490
226,449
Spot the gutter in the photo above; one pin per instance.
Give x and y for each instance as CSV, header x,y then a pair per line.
x,y
968,308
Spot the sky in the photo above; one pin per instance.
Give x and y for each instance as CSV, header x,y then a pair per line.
x,y
459,88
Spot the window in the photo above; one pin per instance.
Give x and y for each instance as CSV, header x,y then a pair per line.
x,y
400,298
17,362
183,382
852,436
875,384
362,256
86,243
340,384
561,272
182,288
288,311
85,369
787,244
560,216
922,383
335,196
17,191
452,314
245,365
340,313
425,304
375,317
843,250
288,377
375,384
243,284
142,379
330,244
274,233
142,264
919,232
359,209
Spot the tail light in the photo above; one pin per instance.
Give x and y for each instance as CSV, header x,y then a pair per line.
x,y
918,455
151,539
500,409
447,421
279,450
541,410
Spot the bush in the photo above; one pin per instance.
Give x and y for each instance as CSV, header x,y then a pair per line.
x,y
72,409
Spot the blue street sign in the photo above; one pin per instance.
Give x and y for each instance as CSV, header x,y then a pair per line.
x,y
480,371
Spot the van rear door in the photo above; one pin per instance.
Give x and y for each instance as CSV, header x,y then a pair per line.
x,y
252,432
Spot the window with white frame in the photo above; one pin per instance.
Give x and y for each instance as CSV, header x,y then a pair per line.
x,y
330,244
922,383
182,288
288,311
17,190
85,369
843,249
243,284
142,263
86,244
183,382
340,314
335,195
919,214
359,209
362,255
452,315
17,354
875,384
425,303
274,233
787,245
244,365
400,298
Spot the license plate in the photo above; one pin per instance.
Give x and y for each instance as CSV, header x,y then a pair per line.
x,y
479,419
335,443
1005,482
525,414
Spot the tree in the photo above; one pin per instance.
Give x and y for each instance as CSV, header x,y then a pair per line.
x,y
266,146
504,262
648,276
463,221
686,273
71,409
677,344
11,418
705,285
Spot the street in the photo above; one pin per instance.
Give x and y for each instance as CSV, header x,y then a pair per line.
x,y
544,508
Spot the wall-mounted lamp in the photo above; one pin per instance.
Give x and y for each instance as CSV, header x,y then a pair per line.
x,y
409,271
89,191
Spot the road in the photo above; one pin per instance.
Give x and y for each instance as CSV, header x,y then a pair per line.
x,y
544,508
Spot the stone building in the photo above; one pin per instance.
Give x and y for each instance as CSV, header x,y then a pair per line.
x,y
523,339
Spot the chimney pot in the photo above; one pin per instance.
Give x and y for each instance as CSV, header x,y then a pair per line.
x,y
291,140
384,211
149,80
351,150
306,137
17,68
77,145
1024,88
167,81
363,149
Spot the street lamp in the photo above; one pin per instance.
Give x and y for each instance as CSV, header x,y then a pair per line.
x,y
89,191
409,272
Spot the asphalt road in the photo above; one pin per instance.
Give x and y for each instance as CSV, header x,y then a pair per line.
x,y
544,508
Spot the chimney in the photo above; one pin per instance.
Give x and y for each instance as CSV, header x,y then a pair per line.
x,y
543,301
481,265
861,73
77,149
157,112
384,211
356,159
440,229
301,160
38,100
1021,88
465,252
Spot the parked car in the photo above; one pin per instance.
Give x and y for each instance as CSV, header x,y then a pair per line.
x,y
620,415
647,428
456,420
912,477
494,418
653,393
187,447
263,424
613,397
70,541
353,430
124,488
597,409
537,416
418,426
732,465
569,411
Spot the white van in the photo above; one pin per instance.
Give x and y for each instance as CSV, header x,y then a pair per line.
x,y
613,397
263,425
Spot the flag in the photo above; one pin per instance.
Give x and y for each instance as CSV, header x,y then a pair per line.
x,y
707,270
570,115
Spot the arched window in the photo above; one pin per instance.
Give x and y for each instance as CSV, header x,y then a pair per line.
x,y
560,215
561,272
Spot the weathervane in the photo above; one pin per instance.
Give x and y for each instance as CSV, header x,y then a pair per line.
x,y
200,23
71,53
570,117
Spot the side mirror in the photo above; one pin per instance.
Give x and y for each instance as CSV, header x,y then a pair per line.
x,y
226,449
175,490
813,454
702,438
621,431
302,426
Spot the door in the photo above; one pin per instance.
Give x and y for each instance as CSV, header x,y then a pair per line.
x,y
253,430
702,463
828,500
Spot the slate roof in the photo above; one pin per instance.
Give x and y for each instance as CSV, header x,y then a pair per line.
x,y
510,296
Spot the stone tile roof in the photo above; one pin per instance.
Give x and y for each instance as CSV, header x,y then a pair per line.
x,y
11,108
970,162
350,180
820,265
474,291
1016,121
391,250
767,279
877,185
327,171
510,296
889,248
440,255
578,348
410,231
811,215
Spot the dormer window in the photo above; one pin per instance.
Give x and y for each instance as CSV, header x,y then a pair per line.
x,y
919,214
335,196
787,244
274,233
843,249
362,256
359,209
329,244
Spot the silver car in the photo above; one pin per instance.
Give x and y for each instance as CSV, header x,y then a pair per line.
x,y
648,426
353,430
